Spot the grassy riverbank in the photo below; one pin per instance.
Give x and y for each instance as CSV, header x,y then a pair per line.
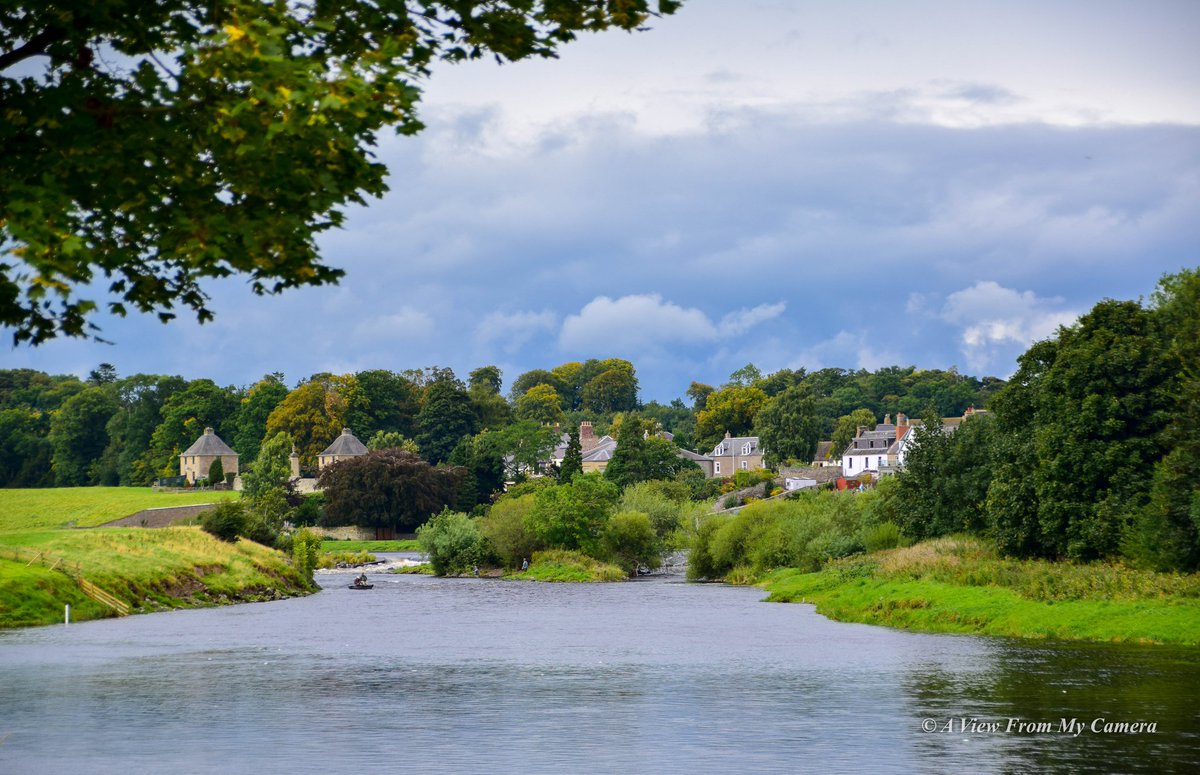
x,y
551,565
961,585
148,570
46,561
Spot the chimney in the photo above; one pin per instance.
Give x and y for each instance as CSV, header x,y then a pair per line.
x,y
887,419
728,435
208,431
294,460
861,430
587,438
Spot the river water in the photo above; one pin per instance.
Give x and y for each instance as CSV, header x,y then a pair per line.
x,y
428,675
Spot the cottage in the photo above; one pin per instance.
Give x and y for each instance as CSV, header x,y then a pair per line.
x,y
736,453
873,450
197,460
343,447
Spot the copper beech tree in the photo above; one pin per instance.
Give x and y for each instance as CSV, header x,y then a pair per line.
x,y
389,489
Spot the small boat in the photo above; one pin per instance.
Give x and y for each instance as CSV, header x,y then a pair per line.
x,y
361,586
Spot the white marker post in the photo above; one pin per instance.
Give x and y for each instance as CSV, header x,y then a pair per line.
x,y
67,615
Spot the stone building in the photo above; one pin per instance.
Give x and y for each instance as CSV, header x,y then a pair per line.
x,y
736,453
197,459
343,447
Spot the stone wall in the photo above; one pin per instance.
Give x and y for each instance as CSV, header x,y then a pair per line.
x,y
161,517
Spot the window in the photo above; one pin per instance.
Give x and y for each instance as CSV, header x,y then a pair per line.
x,y
716,468
746,448
745,465
849,464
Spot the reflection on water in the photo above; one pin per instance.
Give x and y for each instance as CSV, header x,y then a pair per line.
x,y
429,675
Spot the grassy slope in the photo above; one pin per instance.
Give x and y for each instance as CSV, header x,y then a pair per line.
x,y
958,585
149,569
88,506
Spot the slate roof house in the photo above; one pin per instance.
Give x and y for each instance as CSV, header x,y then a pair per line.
x,y
736,453
869,451
197,459
598,452
343,447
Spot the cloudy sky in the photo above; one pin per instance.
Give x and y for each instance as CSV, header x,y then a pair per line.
x,y
793,183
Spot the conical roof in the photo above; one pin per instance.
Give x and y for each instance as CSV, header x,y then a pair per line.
x,y
209,444
346,444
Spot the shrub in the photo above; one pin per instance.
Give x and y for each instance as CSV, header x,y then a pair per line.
x,y
652,499
879,537
306,546
310,511
504,530
452,541
227,521
216,473
629,541
701,563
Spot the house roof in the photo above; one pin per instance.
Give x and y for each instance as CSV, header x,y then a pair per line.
x,y
209,444
602,452
345,445
687,454
824,450
735,443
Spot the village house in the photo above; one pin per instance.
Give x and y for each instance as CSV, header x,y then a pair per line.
x,y
736,453
598,452
197,460
343,447
826,456
871,450
883,451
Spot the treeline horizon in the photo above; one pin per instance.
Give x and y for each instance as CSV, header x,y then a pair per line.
x,y
114,430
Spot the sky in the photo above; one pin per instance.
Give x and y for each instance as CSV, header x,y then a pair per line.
x,y
789,183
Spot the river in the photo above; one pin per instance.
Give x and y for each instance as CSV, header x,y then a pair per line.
x,y
427,675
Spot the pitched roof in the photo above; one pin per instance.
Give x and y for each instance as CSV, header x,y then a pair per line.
x,y
735,443
209,444
687,454
344,445
602,452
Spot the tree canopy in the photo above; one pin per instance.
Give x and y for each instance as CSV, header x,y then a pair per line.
x,y
149,147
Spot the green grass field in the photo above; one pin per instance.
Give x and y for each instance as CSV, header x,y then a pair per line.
x,y
371,546
89,506
960,585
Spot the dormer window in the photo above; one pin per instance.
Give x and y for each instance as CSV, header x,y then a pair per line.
x,y
746,448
